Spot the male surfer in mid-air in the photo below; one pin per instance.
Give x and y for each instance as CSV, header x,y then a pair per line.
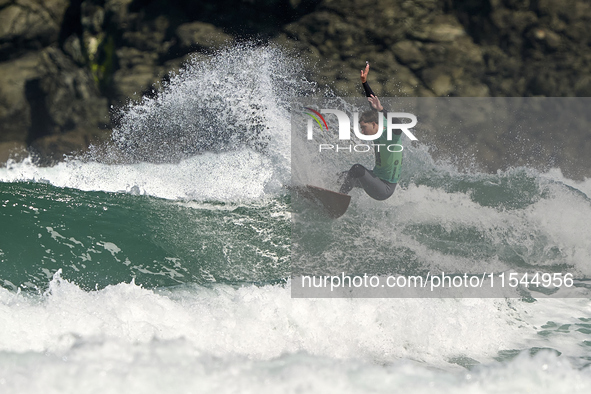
x,y
380,182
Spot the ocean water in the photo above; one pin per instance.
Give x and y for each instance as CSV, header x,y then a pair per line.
x,y
161,263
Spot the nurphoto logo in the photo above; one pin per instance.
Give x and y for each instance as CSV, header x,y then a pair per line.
x,y
392,119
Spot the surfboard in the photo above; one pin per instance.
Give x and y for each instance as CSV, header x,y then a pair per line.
x,y
334,204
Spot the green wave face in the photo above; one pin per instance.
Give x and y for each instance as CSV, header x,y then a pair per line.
x,y
446,221
451,222
99,239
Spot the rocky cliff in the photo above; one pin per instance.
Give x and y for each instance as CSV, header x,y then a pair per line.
x,y
65,63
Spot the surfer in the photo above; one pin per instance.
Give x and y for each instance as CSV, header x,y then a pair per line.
x,y
380,182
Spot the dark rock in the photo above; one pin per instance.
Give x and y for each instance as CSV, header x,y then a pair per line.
x,y
63,97
197,35
147,35
92,17
138,71
54,148
12,150
29,24
61,61
408,53
583,86
15,111
117,12
73,48
438,79
441,29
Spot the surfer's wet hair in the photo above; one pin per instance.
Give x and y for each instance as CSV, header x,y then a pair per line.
x,y
369,117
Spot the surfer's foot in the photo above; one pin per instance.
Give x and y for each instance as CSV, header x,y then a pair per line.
x,y
346,187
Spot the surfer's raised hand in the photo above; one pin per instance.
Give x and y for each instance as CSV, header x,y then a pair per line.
x,y
374,101
364,73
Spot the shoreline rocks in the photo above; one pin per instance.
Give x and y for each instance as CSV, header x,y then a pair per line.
x,y
64,64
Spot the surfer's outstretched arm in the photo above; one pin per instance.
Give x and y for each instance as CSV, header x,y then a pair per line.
x,y
374,102
368,91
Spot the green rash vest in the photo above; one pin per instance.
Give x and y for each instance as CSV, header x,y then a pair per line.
x,y
388,156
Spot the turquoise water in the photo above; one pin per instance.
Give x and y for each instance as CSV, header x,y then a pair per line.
x,y
99,239
125,274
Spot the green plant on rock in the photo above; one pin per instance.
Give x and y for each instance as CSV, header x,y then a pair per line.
x,y
100,51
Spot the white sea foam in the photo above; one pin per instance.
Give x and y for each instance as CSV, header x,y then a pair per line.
x,y
556,174
258,338
225,137
175,366
229,176
265,322
552,230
